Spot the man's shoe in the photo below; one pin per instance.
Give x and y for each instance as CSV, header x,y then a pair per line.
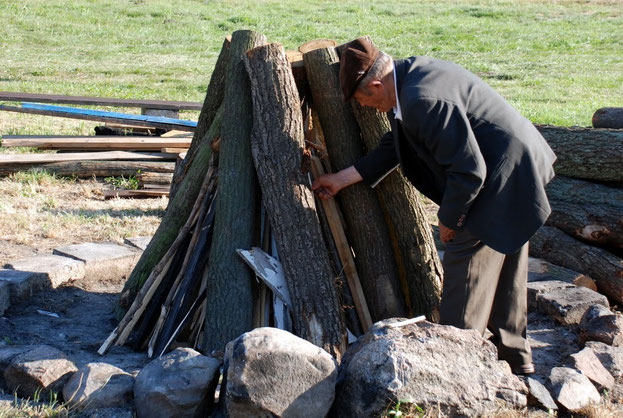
x,y
523,369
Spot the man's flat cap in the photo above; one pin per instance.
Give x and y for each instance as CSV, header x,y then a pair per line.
x,y
357,58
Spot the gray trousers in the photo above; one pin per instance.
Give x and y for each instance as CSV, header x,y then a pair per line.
x,y
486,289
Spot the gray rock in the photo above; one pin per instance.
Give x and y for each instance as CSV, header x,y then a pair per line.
x,y
179,384
41,369
426,364
544,286
587,362
138,242
611,357
107,413
539,395
271,372
99,385
22,283
600,324
53,269
566,303
571,389
5,297
103,260
7,354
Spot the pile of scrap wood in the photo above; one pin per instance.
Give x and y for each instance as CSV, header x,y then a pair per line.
x,y
321,268
585,230
134,153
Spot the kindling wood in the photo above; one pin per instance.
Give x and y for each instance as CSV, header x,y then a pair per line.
x,y
99,142
84,156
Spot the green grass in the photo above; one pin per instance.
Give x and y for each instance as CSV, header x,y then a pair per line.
x,y
556,61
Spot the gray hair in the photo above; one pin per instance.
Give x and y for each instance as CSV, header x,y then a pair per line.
x,y
376,72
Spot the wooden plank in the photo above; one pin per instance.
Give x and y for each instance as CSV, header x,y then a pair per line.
x,y
103,116
98,101
173,150
136,194
84,156
344,251
102,142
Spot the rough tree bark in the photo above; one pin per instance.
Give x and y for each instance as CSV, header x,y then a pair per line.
x,y
277,144
211,104
366,229
409,229
608,117
229,304
174,218
586,153
565,189
558,248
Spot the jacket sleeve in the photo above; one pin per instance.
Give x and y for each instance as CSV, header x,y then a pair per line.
x,y
444,130
379,162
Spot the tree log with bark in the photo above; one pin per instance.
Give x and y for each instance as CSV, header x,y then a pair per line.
x,y
229,300
366,229
409,229
558,248
608,117
586,153
277,144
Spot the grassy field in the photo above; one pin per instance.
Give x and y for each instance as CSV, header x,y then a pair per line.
x,y
557,61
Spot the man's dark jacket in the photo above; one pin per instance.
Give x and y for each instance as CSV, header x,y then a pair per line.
x,y
462,145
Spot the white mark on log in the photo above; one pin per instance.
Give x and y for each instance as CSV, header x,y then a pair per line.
x,y
269,270
316,333
592,232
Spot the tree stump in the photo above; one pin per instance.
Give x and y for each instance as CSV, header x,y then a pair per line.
x,y
229,304
586,153
277,144
604,268
409,229
365,223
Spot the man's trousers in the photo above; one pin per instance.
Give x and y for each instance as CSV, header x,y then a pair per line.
x,y
486,289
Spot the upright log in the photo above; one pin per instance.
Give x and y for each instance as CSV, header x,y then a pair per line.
x,y
366,228
211,104
586,153
608,117
229,302
174,218
604,268
409,229
277,144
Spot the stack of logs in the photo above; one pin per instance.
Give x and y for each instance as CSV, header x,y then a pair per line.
x,y
585,230
277,119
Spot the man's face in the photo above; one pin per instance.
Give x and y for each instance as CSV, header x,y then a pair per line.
x,y
379,99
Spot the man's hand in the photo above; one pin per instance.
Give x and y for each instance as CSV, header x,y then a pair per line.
x,y
326,186
446,233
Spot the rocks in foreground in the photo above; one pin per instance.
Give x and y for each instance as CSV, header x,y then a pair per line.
x,y
428,365
271,372
99,385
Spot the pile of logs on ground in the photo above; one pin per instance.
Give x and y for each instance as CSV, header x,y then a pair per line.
x,y
142,146
245,243
585,230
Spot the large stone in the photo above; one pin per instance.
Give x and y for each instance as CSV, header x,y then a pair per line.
x,y
179,384
611,357
22,284
571,389
99,385
42,370
426,364
138,242
5,297
544,286
7,354
565,303
587,362
103,260
51,268
539,395
271,372
600,324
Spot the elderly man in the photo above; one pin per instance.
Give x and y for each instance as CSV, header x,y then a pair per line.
x,y
462,145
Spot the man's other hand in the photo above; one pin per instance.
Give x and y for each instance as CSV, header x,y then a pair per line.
x,y
446,234
326,186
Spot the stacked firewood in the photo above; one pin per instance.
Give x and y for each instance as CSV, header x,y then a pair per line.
x,y
585,230
277,120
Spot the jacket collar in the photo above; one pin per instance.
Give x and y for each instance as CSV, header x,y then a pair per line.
x,y
401,68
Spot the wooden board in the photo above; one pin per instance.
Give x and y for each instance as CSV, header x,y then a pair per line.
x,y
136,194
99,142
84,156
98,101
103,116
